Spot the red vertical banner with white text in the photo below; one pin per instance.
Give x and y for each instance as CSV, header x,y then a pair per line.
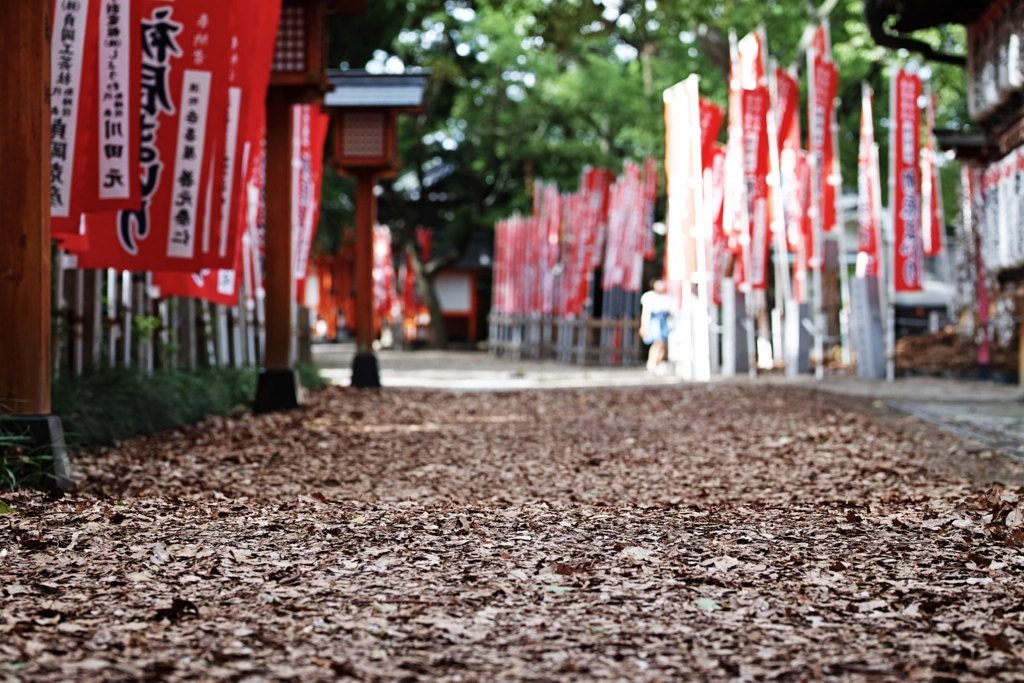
x,y
868,220
184,108
933,220
906,182
711,119
755,177
73,75
309,132
114,182
715,204
820,139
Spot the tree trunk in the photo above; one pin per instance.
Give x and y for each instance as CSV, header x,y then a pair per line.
x,y
438,338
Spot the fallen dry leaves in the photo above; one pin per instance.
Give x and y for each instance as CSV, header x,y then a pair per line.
x,y
748,533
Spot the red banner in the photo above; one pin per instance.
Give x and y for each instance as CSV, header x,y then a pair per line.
x,y
787,104
933,218
733,211
113,148
869,226
250,52
820,138
184,107
309,132
905,152
755,175
73,77
715,204
384,297
215,286
711,119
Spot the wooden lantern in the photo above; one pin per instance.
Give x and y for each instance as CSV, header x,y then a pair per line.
x,y
365,109
300,53
365,139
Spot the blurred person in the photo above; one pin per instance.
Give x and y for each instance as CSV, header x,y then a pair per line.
x,y
656,305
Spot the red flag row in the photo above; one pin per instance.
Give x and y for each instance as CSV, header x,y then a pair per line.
x,y
545,264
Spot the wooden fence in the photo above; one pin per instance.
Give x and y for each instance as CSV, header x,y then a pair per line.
x,y
108,318
583,341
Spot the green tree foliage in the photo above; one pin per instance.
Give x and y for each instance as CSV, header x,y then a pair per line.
x,y
530,89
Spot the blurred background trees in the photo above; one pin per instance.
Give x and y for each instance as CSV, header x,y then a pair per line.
x,y
536,89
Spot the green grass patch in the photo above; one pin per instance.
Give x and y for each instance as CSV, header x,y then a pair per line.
x,y
110,405
309,376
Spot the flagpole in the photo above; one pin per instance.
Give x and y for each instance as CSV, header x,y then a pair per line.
x,y
701,341
817,249
890,318
783,288
834,177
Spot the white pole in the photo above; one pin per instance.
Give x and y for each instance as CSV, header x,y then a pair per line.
x,y
126,326
702,225
835,178
817,263
112,319
783,288
817,253
728,327
890,308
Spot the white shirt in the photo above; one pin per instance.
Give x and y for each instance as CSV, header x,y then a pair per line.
x,y
656,303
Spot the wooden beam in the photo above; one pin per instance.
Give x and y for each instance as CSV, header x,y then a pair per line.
x,y
25,207
279,289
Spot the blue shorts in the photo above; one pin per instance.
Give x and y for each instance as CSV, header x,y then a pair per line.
x,y
657,328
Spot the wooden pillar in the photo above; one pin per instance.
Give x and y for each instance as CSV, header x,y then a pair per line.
x,y
25,207
25,232
279,231
365,371
366,217
278,386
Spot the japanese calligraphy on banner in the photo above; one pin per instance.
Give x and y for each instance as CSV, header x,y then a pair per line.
x,y
309,132
249,56
787,98
733,217
215,286
868,220
933,219
904,151
711,119
755,176
184,106
114,146
72,75
821,117
714,204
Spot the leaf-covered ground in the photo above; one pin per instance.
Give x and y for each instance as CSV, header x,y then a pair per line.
x,y
748,533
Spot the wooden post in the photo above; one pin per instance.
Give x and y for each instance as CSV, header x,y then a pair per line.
x,y
25,235
366,206
78,322
126,326
112,322
365,372
92,334
278,387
